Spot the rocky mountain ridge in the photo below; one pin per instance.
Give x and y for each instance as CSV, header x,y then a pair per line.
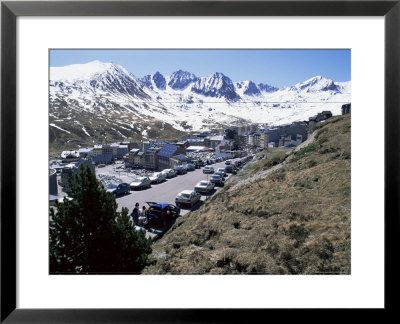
x,y
99,101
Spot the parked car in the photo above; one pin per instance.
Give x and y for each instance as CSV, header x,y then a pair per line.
x,y
228,162
220,173
229,168
208,169
217,180
180,170
169,173
161,214
187,197
204,187
200,163
157,177
222,170
165,173
212,161
189,167
118,189
141,183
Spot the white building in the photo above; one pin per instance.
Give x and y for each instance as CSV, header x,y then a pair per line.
x,y
223,149
98,150
69,154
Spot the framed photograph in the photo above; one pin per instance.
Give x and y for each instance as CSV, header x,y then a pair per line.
x,y
280,117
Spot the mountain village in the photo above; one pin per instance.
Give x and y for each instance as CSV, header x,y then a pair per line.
x,y
148,159
166,145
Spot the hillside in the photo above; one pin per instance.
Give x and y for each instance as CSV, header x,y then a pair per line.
x,y
294,220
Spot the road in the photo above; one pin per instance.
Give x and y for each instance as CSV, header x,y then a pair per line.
x,y
167,191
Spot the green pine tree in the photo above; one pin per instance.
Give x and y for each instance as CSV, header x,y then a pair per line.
x,y
88,235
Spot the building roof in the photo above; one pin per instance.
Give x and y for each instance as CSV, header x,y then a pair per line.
x,y
85,150
197,148
168,150
106,157
217,138
180,157
152,149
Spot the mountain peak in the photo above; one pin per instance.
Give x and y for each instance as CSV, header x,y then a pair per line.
x,y
85,71
267,88
159,81
316,83
216,85
106,78
217,75
180,80
251,89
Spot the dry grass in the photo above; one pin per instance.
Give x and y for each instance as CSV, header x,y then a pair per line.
x,y
103,130
296,221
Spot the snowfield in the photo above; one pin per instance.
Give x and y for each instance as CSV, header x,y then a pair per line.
x,y
183,100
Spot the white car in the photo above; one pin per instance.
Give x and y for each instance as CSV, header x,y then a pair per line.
x,y
140,183
187,197
157,177
204,187
208,169
169,173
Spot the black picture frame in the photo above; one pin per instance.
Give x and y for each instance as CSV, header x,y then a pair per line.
x,y
10,10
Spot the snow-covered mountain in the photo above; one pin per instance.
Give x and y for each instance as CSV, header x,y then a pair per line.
x,y
216,85
155,81
180,80
96,77
315,84
105,101
266,87
248,88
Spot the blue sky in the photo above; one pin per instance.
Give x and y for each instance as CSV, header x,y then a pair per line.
x,y
275,67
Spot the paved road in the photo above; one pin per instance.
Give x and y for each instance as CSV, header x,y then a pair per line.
x,y
167,191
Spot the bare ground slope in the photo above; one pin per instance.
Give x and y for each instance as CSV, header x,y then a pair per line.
x,y
295,220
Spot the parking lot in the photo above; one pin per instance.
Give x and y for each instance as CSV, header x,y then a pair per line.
x,y
117,173
163,192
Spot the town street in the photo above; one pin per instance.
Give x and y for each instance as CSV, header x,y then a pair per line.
x,y
167,191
